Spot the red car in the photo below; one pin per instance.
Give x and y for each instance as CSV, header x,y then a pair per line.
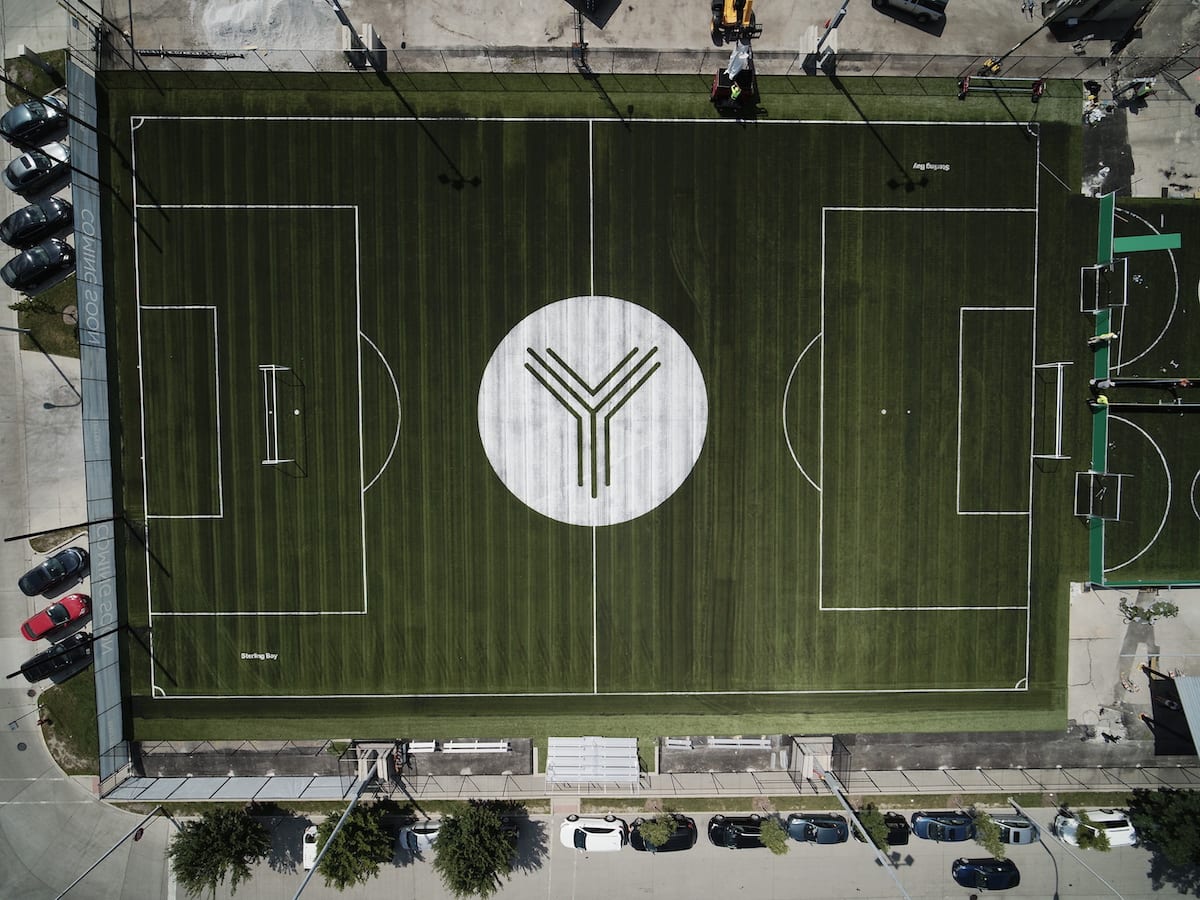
x,y
56,616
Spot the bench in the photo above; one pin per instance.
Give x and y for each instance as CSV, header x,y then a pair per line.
x,y
740,743
476,747
678,743
422,746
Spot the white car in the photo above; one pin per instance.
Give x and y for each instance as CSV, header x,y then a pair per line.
x,y
420,836
596,835
1113,822
309,855
1016,829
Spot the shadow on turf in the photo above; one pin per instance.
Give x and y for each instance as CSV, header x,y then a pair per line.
x,y
457,179
905,180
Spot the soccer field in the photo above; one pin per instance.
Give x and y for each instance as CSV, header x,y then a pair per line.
x,y
678,417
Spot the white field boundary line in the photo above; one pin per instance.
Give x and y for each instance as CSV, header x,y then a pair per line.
x,y
1116,367
220,513
821,502
396,389
1192,495
1170,492
575,119
1018,688
1033,372
152,613
786,389
962,310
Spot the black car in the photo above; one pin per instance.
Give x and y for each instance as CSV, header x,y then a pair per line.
x,y
818,828
683,838
54,571
38,265
34,120
986,874
898,830
736,832
58,658
32,171
36,222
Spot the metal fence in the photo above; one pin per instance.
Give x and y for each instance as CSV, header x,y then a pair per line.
x,y
500,61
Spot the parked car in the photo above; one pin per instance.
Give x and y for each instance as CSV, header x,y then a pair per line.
x,y
34,268
593,834
420,835
818,828
1015,829
898,830
56,617
736,832
1113,822
943,826
924,11
34,223
309,847
58,657
54,571
986,874
683,838
36,169
34,120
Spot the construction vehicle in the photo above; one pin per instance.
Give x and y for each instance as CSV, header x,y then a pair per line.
x,y
733,20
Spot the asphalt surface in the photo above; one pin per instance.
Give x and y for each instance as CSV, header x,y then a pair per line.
x,y
547,869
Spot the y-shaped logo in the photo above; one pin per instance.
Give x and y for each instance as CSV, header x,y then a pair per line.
x,y
588,435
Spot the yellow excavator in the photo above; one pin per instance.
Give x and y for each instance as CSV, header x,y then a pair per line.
x,y
733,20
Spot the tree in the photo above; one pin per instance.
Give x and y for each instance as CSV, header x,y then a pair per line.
x,y
1089,836
658,830
987,833
1165,820
475,847
362,844
774,837
33,306
871,818
222,842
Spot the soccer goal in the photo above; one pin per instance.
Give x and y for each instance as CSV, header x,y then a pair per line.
x,y
271,412
1057,399
1104,287
1098,495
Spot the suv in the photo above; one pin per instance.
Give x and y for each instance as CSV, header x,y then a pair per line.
x,y
34,268
818,828
54,571
682,838
736,832
924,11
943,826
34,223
1112,822
34,119
61,656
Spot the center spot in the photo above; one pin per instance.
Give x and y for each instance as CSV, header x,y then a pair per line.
x,y
593,410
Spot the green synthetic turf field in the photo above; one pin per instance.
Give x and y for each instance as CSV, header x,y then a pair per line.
x,y
864,527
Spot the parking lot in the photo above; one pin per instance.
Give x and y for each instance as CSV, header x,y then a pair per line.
x,y
546,869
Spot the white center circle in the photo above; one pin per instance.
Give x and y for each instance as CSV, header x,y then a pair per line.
x,y
593,410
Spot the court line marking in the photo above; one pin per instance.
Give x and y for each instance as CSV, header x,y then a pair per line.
x,y
220,513
578,119
1032,376
137,122
396,389
996,690
1166,506
787,387
1121,309
1192,495
958,456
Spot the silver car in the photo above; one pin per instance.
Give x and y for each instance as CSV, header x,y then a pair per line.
x,y
1015,829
